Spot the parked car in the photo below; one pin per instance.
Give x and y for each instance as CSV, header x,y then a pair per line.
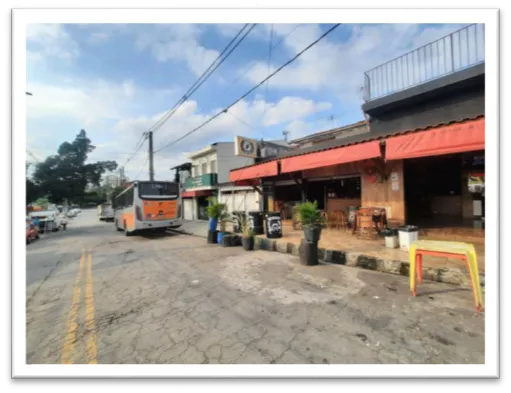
x,y
50,220
32,232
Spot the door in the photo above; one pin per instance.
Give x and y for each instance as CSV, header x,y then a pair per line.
x,y
188,208
203,204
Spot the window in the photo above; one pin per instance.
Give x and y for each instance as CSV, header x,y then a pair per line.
x,y
204,168
212,166
158,190
125,199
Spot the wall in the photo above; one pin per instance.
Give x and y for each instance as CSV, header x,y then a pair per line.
x,y
240,200
382,195
206,158
227,161
447,107
361,129
335,204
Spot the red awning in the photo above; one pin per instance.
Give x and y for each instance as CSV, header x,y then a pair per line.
x,y
197,193
254,172
448,139
340,155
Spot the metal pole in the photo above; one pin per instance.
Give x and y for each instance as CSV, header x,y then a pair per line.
x,y
151,165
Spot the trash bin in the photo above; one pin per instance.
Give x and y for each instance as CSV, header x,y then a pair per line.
x,y
273,225
407,235
255,222
391,238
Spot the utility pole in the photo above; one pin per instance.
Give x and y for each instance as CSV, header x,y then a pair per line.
x,y
121,175
151,166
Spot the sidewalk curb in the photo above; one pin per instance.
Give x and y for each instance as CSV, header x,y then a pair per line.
x,y
455,276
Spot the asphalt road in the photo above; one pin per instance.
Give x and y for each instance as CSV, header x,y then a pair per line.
x,y
96,296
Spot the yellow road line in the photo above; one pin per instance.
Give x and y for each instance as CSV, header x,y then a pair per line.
x,y
69,342
92,352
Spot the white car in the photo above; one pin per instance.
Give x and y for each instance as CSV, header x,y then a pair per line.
x,y
50,220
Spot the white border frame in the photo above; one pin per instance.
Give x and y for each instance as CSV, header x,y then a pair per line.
x,y
23,17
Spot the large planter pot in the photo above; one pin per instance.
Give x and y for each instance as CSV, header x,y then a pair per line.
x,y
213,222
312,233
248,243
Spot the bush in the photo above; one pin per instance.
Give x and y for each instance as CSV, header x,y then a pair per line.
x,y
309,214
216,210
245,228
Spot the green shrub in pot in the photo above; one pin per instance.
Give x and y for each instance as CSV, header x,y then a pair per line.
x,y
311,219
247,239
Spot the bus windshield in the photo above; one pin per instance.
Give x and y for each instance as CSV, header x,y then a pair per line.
x,y
158,190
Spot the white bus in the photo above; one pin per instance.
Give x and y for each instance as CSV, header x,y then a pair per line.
x,y
148,206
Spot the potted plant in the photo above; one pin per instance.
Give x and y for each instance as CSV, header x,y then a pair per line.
x,y
311,220
215,210
247,238
223,219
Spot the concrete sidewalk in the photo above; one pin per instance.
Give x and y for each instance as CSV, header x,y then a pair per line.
x,y
364,260
194,227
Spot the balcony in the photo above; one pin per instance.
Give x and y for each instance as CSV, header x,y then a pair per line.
x,y
207,180
455,52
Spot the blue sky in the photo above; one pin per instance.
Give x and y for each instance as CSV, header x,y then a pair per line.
x,y
116,81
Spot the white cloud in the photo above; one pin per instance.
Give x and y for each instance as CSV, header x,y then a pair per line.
x,y
98,37
339,66
106,110
51,40
177,42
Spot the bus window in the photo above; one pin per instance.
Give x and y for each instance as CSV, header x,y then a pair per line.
x,y
158,190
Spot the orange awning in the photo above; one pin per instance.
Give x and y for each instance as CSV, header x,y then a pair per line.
x,y
340,155
254,172
448,139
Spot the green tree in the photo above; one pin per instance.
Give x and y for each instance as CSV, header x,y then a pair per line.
x,y
66,174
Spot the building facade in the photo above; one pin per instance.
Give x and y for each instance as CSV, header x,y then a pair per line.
x,y
210,168
415,154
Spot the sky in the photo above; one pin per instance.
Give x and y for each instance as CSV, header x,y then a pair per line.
x,y
117,80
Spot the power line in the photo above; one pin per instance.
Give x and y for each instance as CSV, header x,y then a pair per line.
x,y
252,65
269,69
195,86
33,156
253,88
204,77
137,148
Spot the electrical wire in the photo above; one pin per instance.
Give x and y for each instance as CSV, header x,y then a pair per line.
x,y
253,64
205,76
197,84
253,88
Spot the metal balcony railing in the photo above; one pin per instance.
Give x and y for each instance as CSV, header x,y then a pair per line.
x,y
459,50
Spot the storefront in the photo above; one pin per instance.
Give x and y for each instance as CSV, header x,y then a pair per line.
x,y
195,204
438,165
419,177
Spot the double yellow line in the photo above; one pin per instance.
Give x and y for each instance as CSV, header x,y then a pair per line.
x,y
72,323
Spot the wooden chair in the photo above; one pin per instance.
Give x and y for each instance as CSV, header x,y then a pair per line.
x,y
341,220
365,227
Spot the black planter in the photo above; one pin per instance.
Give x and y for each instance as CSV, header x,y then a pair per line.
x,y
227,241
312,233
308,253
247,243
212,237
